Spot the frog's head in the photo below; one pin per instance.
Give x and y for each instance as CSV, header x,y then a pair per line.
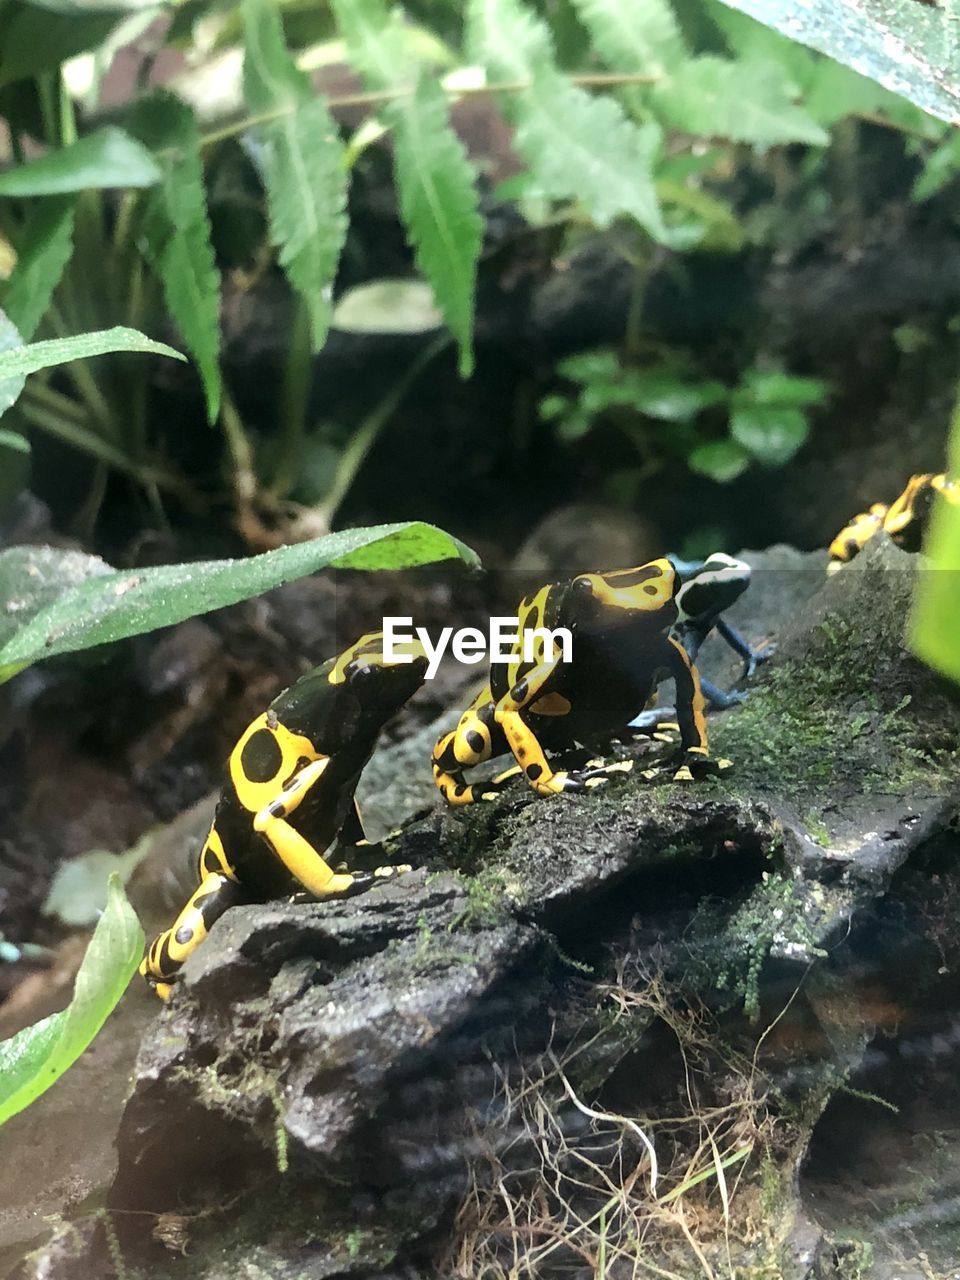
x,y
648,588
709,587
381,683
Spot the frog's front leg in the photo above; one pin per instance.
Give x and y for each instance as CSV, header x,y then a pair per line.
x,y
476,738
690,708
752,657
523,742
297,854
168,951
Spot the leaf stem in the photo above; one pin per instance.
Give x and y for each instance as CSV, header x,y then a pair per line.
x,y
376,97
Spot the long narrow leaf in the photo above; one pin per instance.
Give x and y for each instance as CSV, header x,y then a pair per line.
x,y
578,147
107,158
435,179
301,160
178,234
36,1057
19,362
113,606
40,263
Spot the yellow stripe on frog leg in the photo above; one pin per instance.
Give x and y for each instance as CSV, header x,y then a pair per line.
x,y
169,950
521,739
853,537
470,743
301,859
690,702
213,857
266,755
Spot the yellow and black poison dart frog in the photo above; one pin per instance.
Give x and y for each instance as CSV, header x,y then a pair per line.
x,y
289,794
623,626
905,520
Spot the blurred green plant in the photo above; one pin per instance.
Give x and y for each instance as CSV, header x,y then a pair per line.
x,y
620,112
36,1057
666,410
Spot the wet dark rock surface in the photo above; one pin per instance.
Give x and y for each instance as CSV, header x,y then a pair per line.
x,y
332,1083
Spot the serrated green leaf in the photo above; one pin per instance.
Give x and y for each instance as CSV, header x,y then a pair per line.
x,y
744,101
177,231
301,161
21,361
908,47
42,257
721,460
771,433
106,158
438,204
10,384
634,35
117,605
578,147
36,1057
435,180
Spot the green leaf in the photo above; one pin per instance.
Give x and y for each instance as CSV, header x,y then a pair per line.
x,y
34,41
14,440
909,47
744,101
18,362
941,167
36,1057
579,147
721,460
771,387
76,8
634,37
10,384
935,620
121,604
387,306
40,262
435,180
107,158
33,577
178,234
772,433
301,161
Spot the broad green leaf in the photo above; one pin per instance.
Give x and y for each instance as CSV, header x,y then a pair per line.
x,y
19,362
43,255
178,234
935,621
909,47
106,158
301,161
579,147
80,888
672,398
36,1057
630,36
387,306
435,180
122,604
771,387
743,101
772,433
33,577
11,384
35,41
721,460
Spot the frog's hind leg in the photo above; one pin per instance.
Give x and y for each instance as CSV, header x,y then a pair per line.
x,y
168,951
475,740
